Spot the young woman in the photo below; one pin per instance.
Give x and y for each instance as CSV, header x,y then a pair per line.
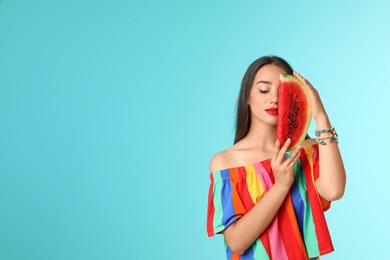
x,y
268,203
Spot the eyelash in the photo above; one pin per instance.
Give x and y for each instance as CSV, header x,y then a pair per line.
x,y
263,91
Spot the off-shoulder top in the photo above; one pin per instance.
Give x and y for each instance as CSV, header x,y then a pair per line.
x,y
299,229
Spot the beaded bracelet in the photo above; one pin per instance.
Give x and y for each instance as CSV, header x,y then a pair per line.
x,y
332,137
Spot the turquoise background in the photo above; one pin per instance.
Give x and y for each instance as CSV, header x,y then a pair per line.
x,y
111,110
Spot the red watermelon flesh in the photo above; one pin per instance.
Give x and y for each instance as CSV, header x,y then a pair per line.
x,y
294,111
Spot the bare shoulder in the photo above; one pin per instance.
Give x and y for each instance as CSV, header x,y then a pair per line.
x,y
221,160
308,142
238,155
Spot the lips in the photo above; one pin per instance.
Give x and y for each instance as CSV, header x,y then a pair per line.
x,y
272,111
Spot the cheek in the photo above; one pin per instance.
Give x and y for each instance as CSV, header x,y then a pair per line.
x,y
258,100
257,106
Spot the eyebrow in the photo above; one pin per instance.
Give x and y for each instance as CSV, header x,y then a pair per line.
x,y
265,82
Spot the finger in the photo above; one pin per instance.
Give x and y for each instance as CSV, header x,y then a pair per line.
x,y
294,156
293,162
298,75
303,80
285,146
295,152
276,150
282,152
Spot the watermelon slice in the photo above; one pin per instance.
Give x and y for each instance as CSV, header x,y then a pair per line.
x,y
294,111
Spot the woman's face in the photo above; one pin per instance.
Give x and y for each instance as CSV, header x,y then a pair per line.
x,y
263,97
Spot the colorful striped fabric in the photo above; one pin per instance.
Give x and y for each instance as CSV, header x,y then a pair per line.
x,y
298,231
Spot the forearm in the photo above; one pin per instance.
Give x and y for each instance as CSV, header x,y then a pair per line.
x,y
242,233
331,183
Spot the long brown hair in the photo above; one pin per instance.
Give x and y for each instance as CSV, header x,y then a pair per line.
x,y
243,117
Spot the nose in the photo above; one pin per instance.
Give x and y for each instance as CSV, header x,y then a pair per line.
x,y
274,99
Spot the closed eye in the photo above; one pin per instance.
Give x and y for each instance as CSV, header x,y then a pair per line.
x,y
263,91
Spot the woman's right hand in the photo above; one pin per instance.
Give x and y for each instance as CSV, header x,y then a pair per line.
x,y
283,168
243,232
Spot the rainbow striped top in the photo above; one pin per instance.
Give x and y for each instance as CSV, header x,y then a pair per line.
x,y
299,229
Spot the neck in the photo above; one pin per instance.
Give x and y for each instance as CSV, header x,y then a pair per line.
x,y
262,136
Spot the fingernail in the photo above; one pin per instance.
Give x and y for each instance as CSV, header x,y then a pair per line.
x,y
288,140
277,142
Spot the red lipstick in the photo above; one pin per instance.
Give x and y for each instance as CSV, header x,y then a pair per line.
x,y
272,111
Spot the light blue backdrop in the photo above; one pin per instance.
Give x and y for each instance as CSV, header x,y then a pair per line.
x,y
111,110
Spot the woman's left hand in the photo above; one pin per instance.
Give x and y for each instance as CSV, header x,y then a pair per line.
x,y
331,183
317,107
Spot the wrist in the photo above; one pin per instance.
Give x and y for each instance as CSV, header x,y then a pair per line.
x,y
323,134
323,122
282,188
